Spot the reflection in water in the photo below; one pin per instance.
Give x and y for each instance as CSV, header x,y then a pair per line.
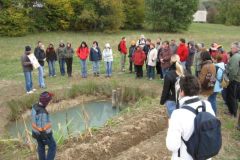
x,y
98,111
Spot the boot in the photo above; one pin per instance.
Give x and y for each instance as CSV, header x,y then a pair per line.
x,y
94,75
97,74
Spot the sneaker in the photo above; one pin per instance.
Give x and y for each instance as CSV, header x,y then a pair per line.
x,y
34,90
54,76
50,76
151,79
97,74
94,75
30,92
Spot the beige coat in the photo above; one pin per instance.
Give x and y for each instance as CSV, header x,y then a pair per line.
x,y
152,57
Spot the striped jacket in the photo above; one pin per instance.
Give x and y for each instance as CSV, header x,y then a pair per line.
x,y
41,122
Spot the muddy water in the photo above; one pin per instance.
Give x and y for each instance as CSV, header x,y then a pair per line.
x,y
99,113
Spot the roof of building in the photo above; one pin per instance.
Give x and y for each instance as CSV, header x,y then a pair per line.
x,y
201,7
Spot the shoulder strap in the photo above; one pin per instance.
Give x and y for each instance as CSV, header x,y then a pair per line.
x,y
190,109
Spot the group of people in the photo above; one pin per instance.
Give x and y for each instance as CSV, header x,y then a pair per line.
x,y
64,54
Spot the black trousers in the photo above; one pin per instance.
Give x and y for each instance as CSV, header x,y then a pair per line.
x,y
69,65
159,69
131,64
139,71
188,68
232,95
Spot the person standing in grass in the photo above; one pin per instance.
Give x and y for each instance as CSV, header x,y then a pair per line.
x,y
37,48
141,42
40,55
138,59
158,47
108,59
83,53
165,57
132,50
42,127
27,70
68,54
151,61
182,52
61,58
123,53
146,49
198,60
51,57
174,46
96,57
191,52
217,61
169,94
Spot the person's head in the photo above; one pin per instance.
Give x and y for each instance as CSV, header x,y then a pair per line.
x,y
83,44
182,41
148,42
152,45
28,49
45,98
173,42
206,56
235,47
107,45
139,47
217,58
142,37
229,55
175,59
166,44
133,43
159,40
41,47
68,44
50,45
203,49
220,50
95,43
124,38
61,44
189,86
39,43
196,46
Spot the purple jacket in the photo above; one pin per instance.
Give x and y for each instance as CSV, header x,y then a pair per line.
x,y
191,52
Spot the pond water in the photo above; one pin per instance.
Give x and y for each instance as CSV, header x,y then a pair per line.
x,y
99,113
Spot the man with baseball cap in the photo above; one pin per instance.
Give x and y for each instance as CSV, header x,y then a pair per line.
x,y
42,127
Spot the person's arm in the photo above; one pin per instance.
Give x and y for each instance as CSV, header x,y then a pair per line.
x,y
173,140
191,50
55,55
72,51
233,67
24,63
47,55
137,44
203,74
43,124
38,56
143,56
166,89
168,57
90,55
100,53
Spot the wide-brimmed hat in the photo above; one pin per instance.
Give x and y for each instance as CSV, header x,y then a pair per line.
x,y
214,46
142,36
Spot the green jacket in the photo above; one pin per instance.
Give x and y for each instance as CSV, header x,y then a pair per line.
x,y
233,67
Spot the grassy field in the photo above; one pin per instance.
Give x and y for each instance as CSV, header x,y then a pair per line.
x,y
12,80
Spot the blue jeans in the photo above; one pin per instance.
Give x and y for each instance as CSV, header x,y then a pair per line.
x,y
108,66
164,72
150,71
51,67
96,66
183,64
213,101
52,149
197,73
28,81
171,106
40,76
62,65
83,63
224,95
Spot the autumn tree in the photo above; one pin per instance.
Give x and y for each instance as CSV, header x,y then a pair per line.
x,y
212,11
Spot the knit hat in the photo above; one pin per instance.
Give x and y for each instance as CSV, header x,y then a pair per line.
x,y
45,97
27,48
214,46
142,36
133,43
107,45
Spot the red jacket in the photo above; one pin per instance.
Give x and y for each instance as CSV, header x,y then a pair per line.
x,y
83,53
139,57
214,52
225,57
123,47
182,52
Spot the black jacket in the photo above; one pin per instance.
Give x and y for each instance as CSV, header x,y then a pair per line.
x,y
40,55
146,49
168,92
51,54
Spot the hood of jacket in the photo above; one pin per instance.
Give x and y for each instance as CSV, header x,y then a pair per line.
x,y
68,42
61,42
50,44
199,47
220,65
207,62
191,42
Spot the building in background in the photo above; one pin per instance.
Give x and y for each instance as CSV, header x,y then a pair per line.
x,y
201,14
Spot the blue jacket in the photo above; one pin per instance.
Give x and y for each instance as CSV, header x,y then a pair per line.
x,y
95,54
41,122
219,76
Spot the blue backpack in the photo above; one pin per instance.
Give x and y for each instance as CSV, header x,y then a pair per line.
x,y
206,139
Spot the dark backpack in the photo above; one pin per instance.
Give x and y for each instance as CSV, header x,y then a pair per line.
x,y
206,139
119,48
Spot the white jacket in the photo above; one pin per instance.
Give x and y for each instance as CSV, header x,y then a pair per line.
x,y
152,57
182,124
108,55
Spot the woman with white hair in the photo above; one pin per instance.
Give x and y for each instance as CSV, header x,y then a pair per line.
x,y
168,93
108,59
